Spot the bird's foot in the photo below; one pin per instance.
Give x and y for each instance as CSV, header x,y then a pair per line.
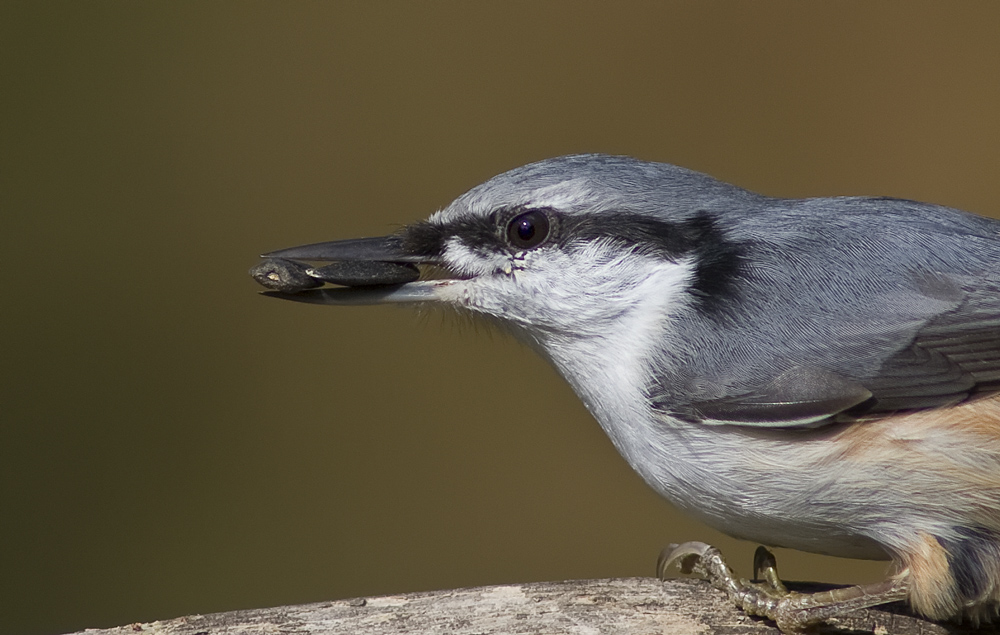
x,y
793,612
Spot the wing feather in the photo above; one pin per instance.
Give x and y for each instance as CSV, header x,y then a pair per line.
x,y
916,325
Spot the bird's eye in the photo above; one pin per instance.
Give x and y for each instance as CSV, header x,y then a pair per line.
x,y
528,230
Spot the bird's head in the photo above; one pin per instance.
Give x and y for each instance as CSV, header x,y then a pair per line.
x,y
565,248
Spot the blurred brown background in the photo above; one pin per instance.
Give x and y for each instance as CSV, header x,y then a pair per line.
x,y
173,443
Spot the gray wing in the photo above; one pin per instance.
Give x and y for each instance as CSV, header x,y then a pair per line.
x,y
952,358
847,318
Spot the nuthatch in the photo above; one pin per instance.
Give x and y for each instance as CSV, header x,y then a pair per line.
x,y
819,374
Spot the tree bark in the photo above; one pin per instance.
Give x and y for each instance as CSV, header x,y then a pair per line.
x,y
636,606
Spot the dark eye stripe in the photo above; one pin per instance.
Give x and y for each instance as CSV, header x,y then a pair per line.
x,y
719,260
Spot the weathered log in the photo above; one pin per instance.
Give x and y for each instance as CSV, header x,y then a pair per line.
x,y
636,606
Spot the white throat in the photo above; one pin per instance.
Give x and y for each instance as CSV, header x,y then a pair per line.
x,y
608,366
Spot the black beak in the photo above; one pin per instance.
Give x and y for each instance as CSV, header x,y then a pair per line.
x,y
381,249
375,270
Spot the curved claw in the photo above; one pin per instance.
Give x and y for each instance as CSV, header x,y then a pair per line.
x,y
685,555
764,563
703,560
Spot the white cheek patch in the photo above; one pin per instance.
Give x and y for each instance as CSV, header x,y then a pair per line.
x,y
469,262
